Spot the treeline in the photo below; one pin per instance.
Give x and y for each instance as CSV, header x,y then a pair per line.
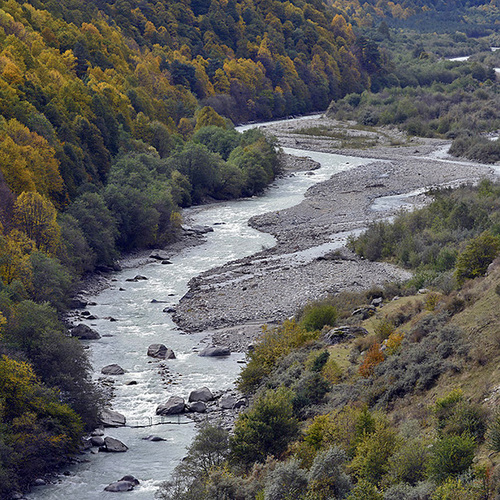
x,y
428,96
476,17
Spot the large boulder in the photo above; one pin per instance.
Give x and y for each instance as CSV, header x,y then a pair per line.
x,y
119,486
126,483
160,351
159,255
227,402
110,418
113,369
113,445
213,351
197,407
343,333
173,406
84,332
204,394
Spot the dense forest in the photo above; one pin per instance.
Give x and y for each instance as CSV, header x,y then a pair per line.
x,y
114,116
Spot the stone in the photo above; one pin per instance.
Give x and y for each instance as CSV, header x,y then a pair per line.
x,y
160,351
154,301
97,432
39,482
204,394
113,369
169,310
159,255
77,303
153,438
131,479
173,406
197,407
84,332
377,302
97,441
227,402
119,486
113,445
215,351
137,278
110,418
343,333
364,312
166,262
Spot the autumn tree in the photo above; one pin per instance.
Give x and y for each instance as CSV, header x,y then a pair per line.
x,y
36,217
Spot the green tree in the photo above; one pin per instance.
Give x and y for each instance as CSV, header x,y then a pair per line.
x,y
476,257
265,429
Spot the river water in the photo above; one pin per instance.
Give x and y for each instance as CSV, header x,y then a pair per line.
x,y
141,322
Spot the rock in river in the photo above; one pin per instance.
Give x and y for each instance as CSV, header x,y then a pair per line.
x,y
84,332
204,394
215,351
173,406
126,483
110,418
160,351
113,445
113,369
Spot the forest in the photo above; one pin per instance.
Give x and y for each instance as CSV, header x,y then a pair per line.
x,y
115,115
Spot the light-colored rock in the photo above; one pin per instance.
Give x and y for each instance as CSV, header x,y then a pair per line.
x,y
173,406
204,394
215,351
113,445
110,418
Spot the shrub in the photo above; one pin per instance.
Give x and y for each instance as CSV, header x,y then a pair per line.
x,y
450,456
371,461
494,433
373,357
316,316
364,490
327,478
286,482
265,429
409,463
477,256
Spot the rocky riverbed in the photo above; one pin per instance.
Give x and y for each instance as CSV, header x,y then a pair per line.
x,y
309,262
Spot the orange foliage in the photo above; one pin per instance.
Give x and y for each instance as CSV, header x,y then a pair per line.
x,y
373,357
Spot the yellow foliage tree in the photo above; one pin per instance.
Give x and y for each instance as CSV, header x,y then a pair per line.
x,y
14,258
36,217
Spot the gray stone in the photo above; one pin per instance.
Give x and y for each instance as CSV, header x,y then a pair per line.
x,y
119,486
153,438
113,445
343,333
159,255
227,402
173,406
197,407
131,479
84,332
97,441
204,394
110,418
160,351
364,312
169,310
377,302
39,482
113,369
215,351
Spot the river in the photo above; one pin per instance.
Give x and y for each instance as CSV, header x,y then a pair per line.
x,y
141,322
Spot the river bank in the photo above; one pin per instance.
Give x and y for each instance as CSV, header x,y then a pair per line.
x,y
309,261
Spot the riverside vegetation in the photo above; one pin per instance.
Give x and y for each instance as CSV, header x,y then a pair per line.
x,y
401,402
114,115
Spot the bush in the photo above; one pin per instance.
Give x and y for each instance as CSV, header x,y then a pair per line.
x,y
409,463
477,256
450,456
286,481
316,316
265,429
